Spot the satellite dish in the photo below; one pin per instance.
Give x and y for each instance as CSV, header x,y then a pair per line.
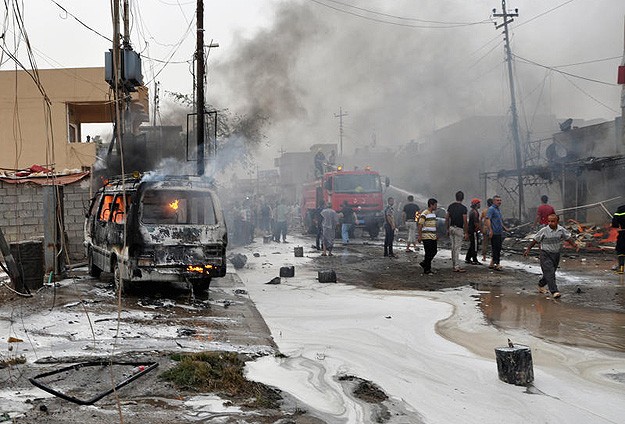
x,y
556,153
566,125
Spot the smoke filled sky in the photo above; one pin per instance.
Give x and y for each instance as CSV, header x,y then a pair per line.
x,y
398,69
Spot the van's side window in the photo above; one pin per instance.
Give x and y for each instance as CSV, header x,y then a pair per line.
x,y
105,209
119,209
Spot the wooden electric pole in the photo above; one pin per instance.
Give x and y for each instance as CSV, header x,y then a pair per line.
x,y
200,71
507,19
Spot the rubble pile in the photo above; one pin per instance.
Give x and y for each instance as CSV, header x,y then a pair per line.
x,y
591,237
585,237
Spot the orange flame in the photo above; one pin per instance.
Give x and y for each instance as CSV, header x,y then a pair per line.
x,y
199,268
174,204
192,268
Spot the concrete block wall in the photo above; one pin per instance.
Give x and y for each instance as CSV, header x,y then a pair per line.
x,y
21,213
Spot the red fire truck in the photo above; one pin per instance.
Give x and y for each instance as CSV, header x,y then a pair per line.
x,y
361,188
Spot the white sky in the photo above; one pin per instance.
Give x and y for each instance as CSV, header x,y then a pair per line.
x,y
397,82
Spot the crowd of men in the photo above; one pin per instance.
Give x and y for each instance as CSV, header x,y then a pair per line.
x,y
461,224
468,224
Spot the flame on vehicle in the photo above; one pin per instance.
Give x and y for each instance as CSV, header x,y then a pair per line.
x,y
199,268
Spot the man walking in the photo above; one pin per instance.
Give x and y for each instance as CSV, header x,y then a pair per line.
x,y
389,228
426,230
550,239
494,222
409,216
282,217
474,230
349,219
457,228
618,221
543,211
329,223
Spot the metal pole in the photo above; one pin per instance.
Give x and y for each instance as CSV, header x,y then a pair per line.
x,y
199,58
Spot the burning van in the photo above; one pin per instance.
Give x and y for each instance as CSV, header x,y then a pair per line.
x,y
157,229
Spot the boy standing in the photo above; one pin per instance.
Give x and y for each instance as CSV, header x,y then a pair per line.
x,y
550,239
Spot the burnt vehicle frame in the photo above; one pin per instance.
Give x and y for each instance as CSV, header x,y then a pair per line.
x,y
156,228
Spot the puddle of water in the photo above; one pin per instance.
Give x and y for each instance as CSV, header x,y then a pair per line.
x,y
556,321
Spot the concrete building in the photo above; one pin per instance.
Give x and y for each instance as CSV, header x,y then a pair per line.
x,y
41,123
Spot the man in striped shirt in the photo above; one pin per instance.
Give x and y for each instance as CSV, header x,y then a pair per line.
x,y
426,228
550,239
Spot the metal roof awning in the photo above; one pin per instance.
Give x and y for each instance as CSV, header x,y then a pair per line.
x,y
47,179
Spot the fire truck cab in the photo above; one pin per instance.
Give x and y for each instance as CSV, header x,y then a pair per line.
x,y
156,228
362,189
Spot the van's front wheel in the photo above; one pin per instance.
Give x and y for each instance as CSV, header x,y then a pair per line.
x,y
120,283
201,284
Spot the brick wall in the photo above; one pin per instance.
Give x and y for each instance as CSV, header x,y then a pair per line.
x,y
21,213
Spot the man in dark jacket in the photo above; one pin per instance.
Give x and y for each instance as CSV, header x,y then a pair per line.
x,y
618,221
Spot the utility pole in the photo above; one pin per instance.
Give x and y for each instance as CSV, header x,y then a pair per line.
x,y
117,72
621,81
507,19
340,116
200,71
156,102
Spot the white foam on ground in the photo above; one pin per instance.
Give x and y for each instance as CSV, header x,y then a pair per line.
x,y
391,339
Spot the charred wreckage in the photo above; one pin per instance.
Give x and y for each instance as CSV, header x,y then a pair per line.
x,y
156,228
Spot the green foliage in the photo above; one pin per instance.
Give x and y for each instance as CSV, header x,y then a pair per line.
x,y
222,373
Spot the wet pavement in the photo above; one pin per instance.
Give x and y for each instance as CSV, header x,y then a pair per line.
x,y
559,321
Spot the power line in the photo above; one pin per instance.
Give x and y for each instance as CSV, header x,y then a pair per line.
x,y
403,17
81,22
605,59
589,95
369,18
563,72
543,14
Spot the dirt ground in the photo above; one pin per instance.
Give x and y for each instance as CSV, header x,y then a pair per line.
x,y
360,263
365,266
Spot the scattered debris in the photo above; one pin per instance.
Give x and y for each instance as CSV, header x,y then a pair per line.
x,y
151,303
238,261
298,252
256,255
240,291
186,332
275,280
326,276
105,368
514,364
287,271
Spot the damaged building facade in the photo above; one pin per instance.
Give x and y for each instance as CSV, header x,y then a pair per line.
x,y
44,144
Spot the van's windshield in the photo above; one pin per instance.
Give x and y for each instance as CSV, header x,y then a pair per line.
x,y
178,208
